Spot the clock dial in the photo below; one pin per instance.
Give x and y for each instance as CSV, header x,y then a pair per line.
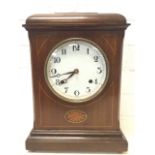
x,y
76,70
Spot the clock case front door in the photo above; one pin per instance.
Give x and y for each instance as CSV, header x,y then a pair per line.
x,y
100,130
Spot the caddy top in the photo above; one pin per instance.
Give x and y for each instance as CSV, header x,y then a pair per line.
x,y
76,20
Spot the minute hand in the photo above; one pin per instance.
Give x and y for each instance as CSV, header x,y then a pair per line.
x,y
58,75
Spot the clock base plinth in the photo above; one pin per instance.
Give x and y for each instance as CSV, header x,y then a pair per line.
x,y
76,141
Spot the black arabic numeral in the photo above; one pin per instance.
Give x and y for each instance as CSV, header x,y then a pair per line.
x,y
57,59
99,70
76,47
88,89
66,89
96,81
63,51
53,71
57,81
87,50
76,93
96,58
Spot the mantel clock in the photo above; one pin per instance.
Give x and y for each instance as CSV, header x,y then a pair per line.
x,y
76,71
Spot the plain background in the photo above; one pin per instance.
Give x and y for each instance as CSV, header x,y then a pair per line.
x,y
137,111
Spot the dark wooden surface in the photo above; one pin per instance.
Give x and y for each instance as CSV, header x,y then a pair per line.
x,y
76,21
77,141
45,31
102,111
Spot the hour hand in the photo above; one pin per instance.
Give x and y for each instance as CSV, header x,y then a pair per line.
x,y
76,71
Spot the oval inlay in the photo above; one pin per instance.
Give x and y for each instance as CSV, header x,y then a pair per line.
x,y
75,116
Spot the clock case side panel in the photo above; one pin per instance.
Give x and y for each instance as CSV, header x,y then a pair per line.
x,y
117,79
35,75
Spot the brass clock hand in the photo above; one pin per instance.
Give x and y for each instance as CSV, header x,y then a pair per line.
x,y
76,71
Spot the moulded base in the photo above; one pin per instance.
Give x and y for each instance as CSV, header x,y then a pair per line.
x,y
76,141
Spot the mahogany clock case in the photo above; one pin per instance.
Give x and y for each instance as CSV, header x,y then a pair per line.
x,y
99,131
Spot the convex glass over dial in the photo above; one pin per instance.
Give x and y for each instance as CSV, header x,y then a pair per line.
x,y
76,70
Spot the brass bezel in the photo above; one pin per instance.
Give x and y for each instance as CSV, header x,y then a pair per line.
x,y
92,96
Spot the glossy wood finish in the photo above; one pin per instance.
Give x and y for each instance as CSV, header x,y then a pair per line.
x,y
76,141
76,21
101,131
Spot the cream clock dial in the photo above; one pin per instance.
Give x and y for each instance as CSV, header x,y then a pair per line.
x,y
76,70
